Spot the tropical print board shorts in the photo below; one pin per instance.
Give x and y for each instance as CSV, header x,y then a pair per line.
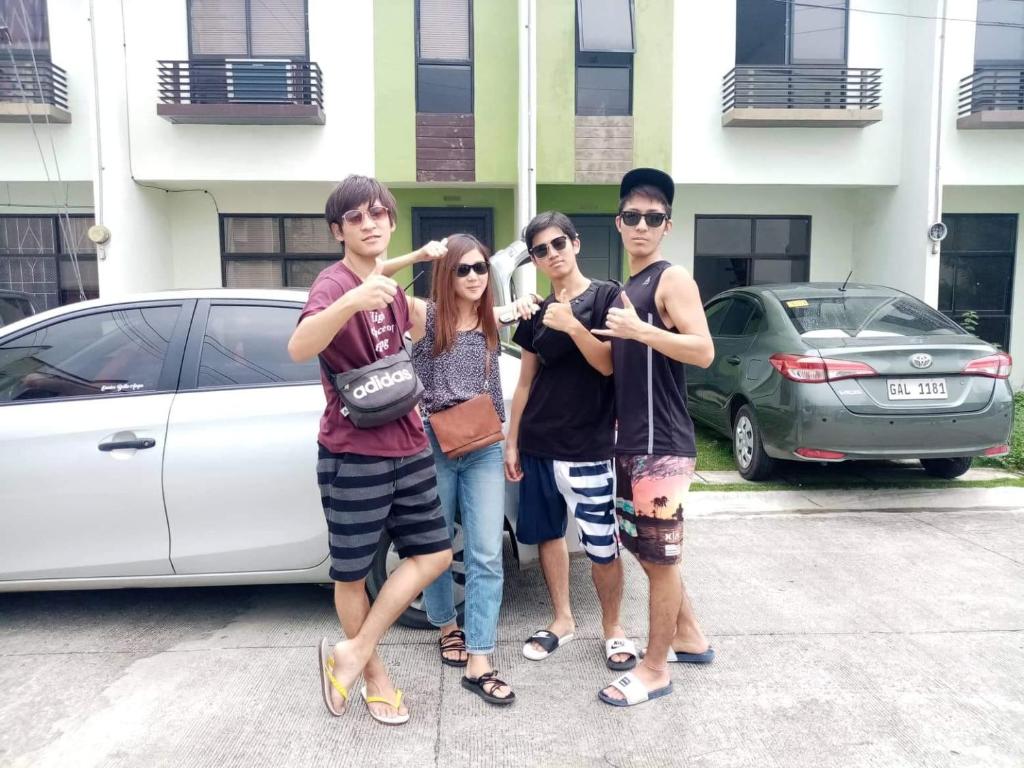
x,y
650,497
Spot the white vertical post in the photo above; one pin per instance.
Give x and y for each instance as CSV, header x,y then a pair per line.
x,y
526,187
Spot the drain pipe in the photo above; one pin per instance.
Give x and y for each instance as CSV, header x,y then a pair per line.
x,y
937,195
101,251
526,190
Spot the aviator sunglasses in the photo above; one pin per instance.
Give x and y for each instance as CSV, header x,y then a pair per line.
x,y
542,251
479,267
654,219
355,217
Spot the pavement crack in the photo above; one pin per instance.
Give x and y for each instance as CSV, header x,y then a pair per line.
x,y
440,714
966,540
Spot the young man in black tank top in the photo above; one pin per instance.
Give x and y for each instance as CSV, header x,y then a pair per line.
x,y
656,327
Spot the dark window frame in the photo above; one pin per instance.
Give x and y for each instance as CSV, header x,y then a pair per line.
x,y
60,252
282,255
789,40
752,255
419,60
602,60
192,56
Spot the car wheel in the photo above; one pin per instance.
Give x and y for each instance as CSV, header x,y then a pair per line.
x,y
947,469
386,561
748,448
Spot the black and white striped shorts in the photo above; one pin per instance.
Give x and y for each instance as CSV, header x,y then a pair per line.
x,y
363,495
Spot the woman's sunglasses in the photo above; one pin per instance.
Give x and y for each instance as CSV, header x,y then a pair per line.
x,y
542,251
376,212
479,267
653,219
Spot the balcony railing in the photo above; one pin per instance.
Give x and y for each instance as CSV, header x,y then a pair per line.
x,y
801,87
992,98
241,91
40,83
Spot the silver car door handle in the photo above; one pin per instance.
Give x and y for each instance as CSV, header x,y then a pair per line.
x,y
146,442
733,360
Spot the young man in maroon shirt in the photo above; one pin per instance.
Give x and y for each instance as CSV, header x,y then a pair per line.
x,y
370,479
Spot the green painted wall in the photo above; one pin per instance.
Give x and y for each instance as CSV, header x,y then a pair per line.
x,y
501,200
496,89
652,84
394,67
556,91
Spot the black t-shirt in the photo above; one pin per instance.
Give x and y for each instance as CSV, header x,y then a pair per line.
x,y
570,415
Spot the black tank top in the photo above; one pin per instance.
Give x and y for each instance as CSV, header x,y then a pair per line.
x,y
650,388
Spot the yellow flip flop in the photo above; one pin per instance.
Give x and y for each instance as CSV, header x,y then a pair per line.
x,y
396,703
325,661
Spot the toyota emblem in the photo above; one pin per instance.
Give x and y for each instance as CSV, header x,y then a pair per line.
x,y
921,360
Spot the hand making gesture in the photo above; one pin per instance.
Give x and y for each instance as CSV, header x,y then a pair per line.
x,y
622,323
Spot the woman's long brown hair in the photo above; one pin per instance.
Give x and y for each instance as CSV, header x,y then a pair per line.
x,y
442,293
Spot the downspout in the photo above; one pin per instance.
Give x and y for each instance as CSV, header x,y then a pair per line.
x,y
937,194
101,251
526,190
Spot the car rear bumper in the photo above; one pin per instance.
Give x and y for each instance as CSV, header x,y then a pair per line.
x,y
821,422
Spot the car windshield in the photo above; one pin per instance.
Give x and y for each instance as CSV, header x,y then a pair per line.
x,y
866,317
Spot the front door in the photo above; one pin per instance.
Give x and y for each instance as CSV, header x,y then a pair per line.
x,y
976,273
600,247
84,402
438,223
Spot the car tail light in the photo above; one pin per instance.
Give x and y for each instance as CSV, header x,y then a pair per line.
x,y
818,453
814,370
997,450
994,366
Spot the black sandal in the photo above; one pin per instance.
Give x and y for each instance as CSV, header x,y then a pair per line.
x,y
454,642
485,685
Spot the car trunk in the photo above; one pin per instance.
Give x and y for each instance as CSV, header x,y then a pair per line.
x,y
902,388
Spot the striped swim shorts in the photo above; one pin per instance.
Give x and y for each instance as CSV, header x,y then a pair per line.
x,y
651,492
551,490
363,495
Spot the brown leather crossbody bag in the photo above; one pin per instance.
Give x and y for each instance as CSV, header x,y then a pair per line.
x,y
469,425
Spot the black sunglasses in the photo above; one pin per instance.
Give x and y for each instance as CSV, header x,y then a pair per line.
x,y
376,212
541,251
653,218
463,270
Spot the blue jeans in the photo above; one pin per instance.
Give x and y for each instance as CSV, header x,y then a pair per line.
x,y
475,485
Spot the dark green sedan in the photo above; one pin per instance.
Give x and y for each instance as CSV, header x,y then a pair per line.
x,y
824,372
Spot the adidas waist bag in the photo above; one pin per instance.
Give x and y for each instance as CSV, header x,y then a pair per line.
x,y
378,393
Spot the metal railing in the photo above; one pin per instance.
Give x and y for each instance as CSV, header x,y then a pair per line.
x,y
988,89
803,86
240,81
41,82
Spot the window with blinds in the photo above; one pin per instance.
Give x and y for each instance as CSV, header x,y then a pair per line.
x,y
275,251
255,29
444,56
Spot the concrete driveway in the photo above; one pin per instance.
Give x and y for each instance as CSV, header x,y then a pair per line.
x,y
852,638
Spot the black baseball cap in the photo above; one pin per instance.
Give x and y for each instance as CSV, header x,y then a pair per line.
x,y
640,177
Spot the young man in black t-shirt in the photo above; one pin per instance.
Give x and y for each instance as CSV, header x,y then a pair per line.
x,y
561,437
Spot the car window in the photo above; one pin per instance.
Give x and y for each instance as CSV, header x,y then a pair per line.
x,y
736,318
866,317
248,345
716,313
104,353
13,308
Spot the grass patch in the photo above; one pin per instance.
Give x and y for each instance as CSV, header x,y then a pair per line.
x,y
1014,460
714,452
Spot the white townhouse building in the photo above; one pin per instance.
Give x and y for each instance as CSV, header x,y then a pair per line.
x,y
808,138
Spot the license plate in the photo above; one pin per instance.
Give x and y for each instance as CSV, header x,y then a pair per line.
x,y
917,389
